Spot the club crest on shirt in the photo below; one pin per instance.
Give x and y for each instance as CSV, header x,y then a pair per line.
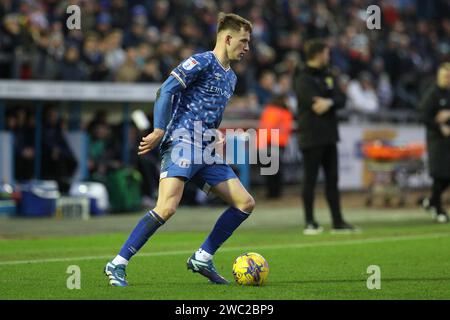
x,y
189,64
329,82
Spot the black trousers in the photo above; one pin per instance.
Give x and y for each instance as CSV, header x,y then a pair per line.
x,y
314,158
274,183
438,188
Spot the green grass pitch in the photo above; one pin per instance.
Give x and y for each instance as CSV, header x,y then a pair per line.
x,y
413,254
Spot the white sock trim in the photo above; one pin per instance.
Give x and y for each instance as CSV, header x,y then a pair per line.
x,y
247,213
202,255
120,260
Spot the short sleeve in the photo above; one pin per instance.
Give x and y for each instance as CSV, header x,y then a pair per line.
x,y
189,70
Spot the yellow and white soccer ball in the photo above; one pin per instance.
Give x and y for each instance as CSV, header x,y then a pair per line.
x,y
250,269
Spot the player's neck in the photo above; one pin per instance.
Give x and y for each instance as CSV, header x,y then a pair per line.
x,y
221,55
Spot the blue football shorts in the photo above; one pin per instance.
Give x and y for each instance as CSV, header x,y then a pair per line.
x,y
186,161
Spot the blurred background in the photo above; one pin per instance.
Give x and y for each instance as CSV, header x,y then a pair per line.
x,y
69,99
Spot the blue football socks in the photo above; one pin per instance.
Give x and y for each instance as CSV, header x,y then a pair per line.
x,y
140,234
229,221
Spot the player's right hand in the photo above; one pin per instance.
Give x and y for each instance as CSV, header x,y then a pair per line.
x,y
150,142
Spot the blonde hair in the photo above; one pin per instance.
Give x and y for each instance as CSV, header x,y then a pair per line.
x,y
231,21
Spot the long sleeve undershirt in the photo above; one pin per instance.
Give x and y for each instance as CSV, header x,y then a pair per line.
x,y
163,105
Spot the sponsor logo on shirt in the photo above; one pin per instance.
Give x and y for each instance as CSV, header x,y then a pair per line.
x,y
220,91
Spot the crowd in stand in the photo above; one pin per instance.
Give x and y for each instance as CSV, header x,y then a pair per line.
x,y
142,40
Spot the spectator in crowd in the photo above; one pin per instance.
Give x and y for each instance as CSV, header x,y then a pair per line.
x,y
361,95
11,120
284,87
245,78
114,53
136,35
128,71
265,86
150,72
93,59
289,64
10,40
71,67
103,23
58,160
50,51
119,14
383,84
102,153
21,125
160,13
100,117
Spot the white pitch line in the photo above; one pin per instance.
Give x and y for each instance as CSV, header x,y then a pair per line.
x,y
253,248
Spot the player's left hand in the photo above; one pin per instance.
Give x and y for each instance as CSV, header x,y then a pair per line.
x,y
150,141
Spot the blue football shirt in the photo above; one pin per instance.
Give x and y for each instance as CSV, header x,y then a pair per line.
x,y
207,88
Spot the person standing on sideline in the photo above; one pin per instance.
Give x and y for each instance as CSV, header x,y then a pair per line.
x,y
318,99
276,115
189,103
435,111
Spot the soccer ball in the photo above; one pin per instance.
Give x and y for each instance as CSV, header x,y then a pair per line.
x,y
250,269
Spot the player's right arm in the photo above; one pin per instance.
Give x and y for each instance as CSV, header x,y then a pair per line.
x,y
180,78
161,114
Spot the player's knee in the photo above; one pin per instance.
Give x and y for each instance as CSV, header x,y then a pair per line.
x,y
247,205
166,211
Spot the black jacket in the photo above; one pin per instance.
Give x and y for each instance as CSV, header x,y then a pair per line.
x,y
438,146
317,130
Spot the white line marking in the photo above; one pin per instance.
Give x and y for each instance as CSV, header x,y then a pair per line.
x,y
253,248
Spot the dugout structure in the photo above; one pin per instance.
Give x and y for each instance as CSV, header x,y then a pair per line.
x,y
78,96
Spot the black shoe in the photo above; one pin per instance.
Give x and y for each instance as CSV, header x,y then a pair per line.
x,y
442,217
344,227
312,229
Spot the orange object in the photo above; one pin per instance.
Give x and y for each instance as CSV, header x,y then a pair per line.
x,y
378,151
415,149
275,117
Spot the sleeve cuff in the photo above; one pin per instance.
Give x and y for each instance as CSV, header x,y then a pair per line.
x,y
176,76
